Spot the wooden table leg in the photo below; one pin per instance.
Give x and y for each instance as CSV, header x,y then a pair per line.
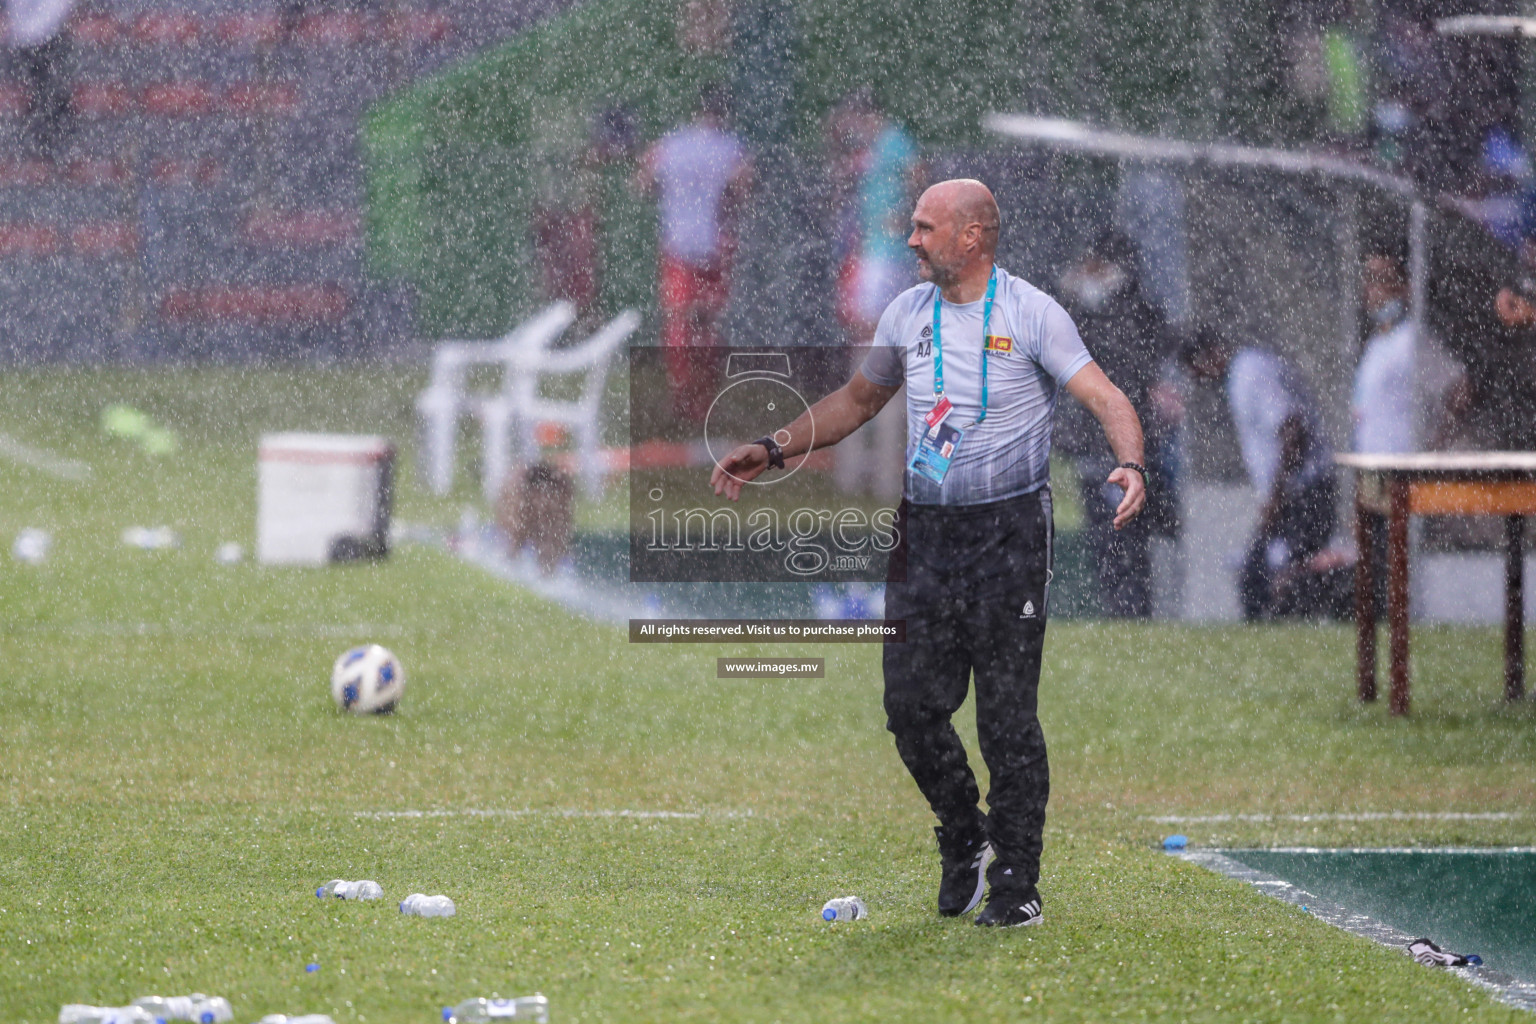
x,y
1514,608
1397,595
1365,604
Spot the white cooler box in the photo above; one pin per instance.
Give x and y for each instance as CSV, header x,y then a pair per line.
x,y
323,498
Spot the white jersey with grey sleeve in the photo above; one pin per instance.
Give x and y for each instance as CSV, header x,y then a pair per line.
x,y
1032,350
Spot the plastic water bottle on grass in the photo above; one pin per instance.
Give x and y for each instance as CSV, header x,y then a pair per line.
x,y
31,547
481,1011
345,890
844,908
195,1007
421,905
80,1013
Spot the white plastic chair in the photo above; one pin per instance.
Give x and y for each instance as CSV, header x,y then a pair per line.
x,y
445,398
511,420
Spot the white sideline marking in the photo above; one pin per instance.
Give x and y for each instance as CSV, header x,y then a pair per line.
x,y
1217,819
551,812
1483,851
54,465
254,630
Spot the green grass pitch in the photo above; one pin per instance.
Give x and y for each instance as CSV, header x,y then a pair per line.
x,y
174,781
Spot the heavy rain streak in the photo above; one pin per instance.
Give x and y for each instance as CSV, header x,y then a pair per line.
x,y
766,510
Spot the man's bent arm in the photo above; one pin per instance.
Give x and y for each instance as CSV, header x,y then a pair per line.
x,y
1122,428
835,416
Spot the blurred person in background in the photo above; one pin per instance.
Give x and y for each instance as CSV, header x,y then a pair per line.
x,y
1456,95
1408,391
34,29
1504,376
564,158
1130,339
877,175
883,167
700,173
1289,463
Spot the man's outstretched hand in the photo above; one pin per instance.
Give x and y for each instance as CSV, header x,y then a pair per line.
x,y
742,465
1135,489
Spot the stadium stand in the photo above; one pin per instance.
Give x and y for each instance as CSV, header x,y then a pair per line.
x,y
208,198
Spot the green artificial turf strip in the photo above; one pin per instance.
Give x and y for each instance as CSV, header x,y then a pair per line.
x,y
174,782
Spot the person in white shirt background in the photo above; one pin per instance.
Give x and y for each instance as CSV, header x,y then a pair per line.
x,y
1407,387
700,174
1408,393
1288,458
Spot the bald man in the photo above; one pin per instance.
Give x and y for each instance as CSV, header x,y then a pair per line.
x,y
984,355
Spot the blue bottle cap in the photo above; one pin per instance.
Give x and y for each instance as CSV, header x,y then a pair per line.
x,y
320,892
828,914
311,968
1175,842
206,1017
447,1013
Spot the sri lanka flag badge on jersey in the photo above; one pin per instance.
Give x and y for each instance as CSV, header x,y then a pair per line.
x,y
999,344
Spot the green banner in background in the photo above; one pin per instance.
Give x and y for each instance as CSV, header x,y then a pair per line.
x,y
456,164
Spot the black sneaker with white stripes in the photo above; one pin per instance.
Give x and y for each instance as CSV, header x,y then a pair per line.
x,y
963,876
1011,909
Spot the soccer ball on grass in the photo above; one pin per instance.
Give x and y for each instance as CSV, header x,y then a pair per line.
x,y
367,680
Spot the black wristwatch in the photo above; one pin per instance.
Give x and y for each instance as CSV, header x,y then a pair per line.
x,y
1146,481
775,453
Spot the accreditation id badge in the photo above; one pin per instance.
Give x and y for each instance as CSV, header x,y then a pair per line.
x,y
937,448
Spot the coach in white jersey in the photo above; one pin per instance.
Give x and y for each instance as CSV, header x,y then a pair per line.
x,y
984,356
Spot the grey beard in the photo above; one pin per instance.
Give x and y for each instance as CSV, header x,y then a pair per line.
x,y
943,277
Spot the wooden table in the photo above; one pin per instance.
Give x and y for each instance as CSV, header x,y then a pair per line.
x,y
1436,484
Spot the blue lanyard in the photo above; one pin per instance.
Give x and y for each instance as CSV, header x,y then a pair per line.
x,y
938,349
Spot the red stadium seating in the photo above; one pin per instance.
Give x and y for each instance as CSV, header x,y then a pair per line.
x,y
302,228
418,27
97,30
178,99
250,29
102,99
256,304
105,239
26,172
166,28
96,171
28,240
207,111
269,98
342,28
13,100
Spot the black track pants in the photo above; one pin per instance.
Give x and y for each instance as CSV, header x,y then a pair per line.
x,y
974,600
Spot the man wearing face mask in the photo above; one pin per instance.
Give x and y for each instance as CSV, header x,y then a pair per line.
x,y
1407,388
1408,391
1130,339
